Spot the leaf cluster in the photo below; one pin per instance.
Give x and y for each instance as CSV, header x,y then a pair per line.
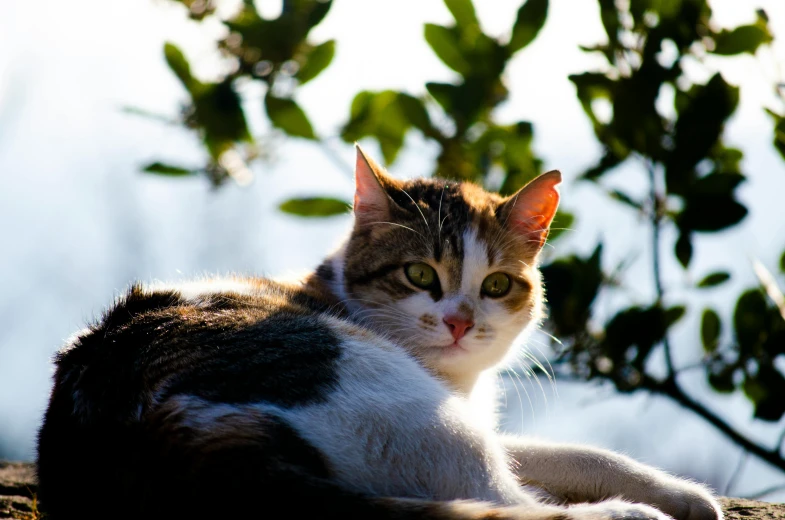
x,y
275,52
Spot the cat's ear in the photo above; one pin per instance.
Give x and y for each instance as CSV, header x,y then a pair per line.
x,y
371,202
530,211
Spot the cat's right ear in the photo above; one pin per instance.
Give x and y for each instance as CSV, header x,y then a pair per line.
x,y
371,202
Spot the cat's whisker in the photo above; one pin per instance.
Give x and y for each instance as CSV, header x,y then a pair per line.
x,y
385,310
526,356
553,338
399,225
528,398
510,379
418,209
439,214
534,376
550,373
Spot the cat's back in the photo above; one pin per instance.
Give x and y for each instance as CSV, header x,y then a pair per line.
x,y
222,340
162,358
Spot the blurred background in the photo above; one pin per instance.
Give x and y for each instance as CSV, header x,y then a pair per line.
x,y
162,140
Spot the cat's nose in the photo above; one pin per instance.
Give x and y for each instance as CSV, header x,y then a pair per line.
x,y
458,326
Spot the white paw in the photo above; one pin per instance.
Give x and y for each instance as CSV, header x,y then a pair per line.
x,y
615,510
685,501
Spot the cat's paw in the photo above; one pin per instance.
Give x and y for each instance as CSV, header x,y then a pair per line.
x,y
615,510
685,501
607,510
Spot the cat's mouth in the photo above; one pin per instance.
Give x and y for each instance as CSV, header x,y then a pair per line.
x,y
455,345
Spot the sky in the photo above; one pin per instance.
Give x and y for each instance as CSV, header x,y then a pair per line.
x,y
80,222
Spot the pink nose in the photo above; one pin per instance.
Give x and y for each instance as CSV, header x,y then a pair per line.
x,y
458,326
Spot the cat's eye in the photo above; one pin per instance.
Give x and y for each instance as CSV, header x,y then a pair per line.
x,y
496,285
421,275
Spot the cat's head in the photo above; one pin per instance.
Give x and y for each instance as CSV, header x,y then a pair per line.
x,y
446,268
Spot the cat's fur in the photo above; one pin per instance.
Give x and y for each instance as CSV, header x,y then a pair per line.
x,y
343,396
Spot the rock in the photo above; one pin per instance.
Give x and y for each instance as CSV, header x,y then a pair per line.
x,y
17,491
18,488
743,509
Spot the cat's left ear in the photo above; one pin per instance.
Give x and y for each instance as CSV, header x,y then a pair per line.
x,y
530,211
371,202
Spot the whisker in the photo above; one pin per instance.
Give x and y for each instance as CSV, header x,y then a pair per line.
x,y
399,225
418,209
520,399
528,398
535,378
439,215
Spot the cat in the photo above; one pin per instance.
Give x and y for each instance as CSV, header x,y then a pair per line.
x,y
345,395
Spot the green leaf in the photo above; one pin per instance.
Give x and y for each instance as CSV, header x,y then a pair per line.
x,y
445,42
561,223
683,248
386,116
717,184
710,330
318,59
591,86
572,284
782,262
749,320
709,204
179,65
445,94
722,381
745,38
318,12
714,279
219,114
463,12
626,199
754,391
531,18
727,160
698,129
766,390
314,207
168,169
674,314
515,155
415,112
287,115
610,20
710,214
779,131
632,333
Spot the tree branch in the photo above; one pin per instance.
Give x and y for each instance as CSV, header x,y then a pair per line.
x,y
670,389
656,221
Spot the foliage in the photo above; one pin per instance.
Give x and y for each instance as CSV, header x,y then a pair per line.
x,y
691,172
275,52
471,142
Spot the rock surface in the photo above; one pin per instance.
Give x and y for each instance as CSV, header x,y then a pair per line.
x,y
17,491
18,488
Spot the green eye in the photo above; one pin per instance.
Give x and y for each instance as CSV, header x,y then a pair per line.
x,y
496,285
421,275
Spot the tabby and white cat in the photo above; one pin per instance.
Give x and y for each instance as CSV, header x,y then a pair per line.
x,y
345,395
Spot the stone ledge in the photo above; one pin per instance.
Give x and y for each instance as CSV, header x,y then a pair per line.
x,y
18,487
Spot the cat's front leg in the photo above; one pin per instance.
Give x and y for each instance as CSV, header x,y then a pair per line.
x,y
585,474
